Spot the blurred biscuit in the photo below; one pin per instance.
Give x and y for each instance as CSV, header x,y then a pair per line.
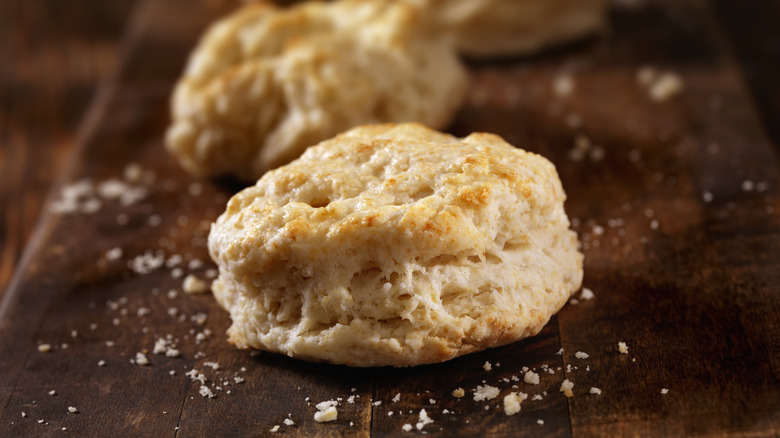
x,y
265,82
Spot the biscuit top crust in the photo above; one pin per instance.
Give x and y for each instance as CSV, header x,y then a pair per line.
x,y
403,191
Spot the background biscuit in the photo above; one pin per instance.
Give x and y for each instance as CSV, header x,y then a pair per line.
x,y
265,83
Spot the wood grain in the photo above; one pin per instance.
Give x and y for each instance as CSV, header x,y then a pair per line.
x,y
678,213
54,56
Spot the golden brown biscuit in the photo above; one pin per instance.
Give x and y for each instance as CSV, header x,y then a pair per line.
x,y
265,83
396,245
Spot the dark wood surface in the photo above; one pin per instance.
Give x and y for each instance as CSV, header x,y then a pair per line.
x,y
690,283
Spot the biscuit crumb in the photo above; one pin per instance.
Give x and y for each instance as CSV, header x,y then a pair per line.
x,y
512,402
531,377
194,285
424,419
594,390
326,411
458,392
486,392
44,348
666,86
566,388
664,391
407,427
275,428
586,294
622,347
72,410
206,392
141,359
581,355
288,422
487,366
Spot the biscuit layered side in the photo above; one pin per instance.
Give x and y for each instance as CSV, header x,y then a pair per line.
x,y
396,245
265,82
489,28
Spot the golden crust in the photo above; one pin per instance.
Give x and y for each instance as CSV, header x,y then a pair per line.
x,y
396,245
265,83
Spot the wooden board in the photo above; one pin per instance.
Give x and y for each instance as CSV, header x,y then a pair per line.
x,y
678,215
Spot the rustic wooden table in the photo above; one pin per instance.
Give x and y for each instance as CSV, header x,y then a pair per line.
x,y
676,203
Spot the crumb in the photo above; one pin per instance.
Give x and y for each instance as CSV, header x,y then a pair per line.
x,y
563,85
487,366
622,347
326,411
397,398
194,285
458,392
594,390
141,359
424,419
407,427
531,377
44,348
52,392
566,388
586,294
540,421
72,410
512,402
275,428
581,355
101,363
206,392
288,422
666,86
664,391
486,392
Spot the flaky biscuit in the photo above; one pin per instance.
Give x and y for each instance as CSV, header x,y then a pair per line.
x,y
396,245
485,28
265,83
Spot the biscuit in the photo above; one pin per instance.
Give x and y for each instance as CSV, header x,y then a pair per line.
x,y
396,245
265,83
489,28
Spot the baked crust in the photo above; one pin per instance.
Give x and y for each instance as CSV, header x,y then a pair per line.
x,y
396,245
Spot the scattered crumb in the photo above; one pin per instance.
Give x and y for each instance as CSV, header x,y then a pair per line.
x,y
424,419
563,85
52,392
44,348
486,392
666,86
458,392
288,422
581,355
594,390
531,377
407,427
72,410
141,359
487,366
24,414
194,285
512,402
586,294
101,363
275,428
540,421
622,347
397,398
664,391
566,388
326,411
206,392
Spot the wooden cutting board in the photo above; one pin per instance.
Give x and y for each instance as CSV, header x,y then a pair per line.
x,y
675,201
